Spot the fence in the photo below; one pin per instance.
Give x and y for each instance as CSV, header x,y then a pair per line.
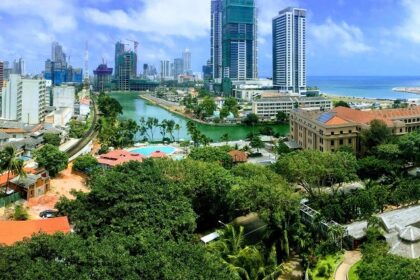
x,y
4,201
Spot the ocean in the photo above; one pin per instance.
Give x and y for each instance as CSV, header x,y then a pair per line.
x,y
366,86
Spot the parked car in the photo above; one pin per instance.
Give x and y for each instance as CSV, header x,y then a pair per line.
x,y
48,214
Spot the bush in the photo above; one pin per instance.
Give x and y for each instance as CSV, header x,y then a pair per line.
x,y
52,138
21,214
85,163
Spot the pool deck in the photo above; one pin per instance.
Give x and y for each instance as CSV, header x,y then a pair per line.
x,y
177,150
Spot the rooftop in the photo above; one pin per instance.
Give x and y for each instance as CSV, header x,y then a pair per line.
x,y
118,157
14,231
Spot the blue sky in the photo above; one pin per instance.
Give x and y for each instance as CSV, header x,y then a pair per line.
x,y
345,37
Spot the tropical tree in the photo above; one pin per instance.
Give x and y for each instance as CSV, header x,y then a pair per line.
x,y
378,133
257,143
52,159
281,117
341,103
225,138
177,128
251,119
10,162
170,127
52,138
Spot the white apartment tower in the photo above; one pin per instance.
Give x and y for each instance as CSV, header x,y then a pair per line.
x,y
289,50
23,100
165,70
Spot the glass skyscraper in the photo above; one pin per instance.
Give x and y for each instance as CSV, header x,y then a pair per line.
x,y
216,38
239,40
289,50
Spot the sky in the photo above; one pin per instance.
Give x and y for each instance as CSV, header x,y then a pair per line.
x,y
344,37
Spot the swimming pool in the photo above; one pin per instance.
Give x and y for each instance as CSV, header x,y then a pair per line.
x,y
147,151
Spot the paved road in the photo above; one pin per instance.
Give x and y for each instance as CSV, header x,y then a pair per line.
x,y
350,258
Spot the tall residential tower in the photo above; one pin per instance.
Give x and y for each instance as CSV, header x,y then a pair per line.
x,y
239,40
289,50
186,56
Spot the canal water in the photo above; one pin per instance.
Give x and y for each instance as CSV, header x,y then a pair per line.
x,y
134,108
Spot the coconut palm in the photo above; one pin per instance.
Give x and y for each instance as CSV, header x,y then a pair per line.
x,y
177,128
11,163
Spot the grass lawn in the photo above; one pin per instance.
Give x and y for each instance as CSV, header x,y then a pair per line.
x,y
324,269
352,272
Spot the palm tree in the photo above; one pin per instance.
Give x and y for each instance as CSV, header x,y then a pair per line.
x,y
177,128
12,164
225,138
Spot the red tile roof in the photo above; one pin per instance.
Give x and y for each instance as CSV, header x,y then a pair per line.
x,y
3,178
365,117
118,157
238,156
14,231
158,154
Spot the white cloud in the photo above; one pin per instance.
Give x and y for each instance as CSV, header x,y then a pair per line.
x,y
187,18
410,28
57,15
342,36
267,10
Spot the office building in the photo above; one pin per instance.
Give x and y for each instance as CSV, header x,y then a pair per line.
x,y
289,50
239,40
267,108
119,50
165,70
102,77
23,100
58,71
186,57
207,71
18,67
216,38
1,74
178,67
328,131
57,53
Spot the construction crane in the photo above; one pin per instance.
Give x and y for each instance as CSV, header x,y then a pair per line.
x,y
136,45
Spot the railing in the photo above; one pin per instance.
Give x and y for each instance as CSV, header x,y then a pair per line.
x,y
87,137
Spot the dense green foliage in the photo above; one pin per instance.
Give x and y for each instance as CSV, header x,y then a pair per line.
x,y
378,264
314,170
251,119
86,163
341,103
377,134
52,159
109,107
77,129
213,154
52,138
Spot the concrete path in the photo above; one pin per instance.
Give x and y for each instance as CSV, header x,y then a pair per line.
x,y
350,258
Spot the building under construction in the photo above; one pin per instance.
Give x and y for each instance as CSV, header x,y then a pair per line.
x,y
103,78
125,75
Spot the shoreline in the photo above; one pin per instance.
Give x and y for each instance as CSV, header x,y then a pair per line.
x,y
153,100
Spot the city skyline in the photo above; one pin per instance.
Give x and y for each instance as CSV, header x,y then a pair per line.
x,y
345,31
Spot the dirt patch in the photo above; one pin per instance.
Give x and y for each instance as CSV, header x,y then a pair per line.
x,y
61,186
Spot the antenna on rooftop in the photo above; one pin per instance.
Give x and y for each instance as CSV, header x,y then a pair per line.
x,y
86,70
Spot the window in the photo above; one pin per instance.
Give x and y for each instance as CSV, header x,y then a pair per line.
x,y
332,143
341,132
341,141
350,131
332,132
350,141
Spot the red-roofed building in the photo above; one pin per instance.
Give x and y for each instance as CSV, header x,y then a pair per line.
x,y
118,157
158,154
328,131
238,156
14,231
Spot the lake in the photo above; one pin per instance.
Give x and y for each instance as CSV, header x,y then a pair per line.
x,y
134,108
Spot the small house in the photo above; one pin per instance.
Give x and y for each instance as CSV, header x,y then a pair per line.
x,y
34,184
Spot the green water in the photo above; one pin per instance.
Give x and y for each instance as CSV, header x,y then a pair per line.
x,y
135,107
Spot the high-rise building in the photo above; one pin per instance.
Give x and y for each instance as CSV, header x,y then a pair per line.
x,y
57,54
239,40
178,67
289,50
216,38
18,67
165,70
1,74
102,77
207,71
127,69
64,97
23,100
186,57
119,50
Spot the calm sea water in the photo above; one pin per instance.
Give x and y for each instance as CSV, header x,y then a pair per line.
x,y
135,108
365,87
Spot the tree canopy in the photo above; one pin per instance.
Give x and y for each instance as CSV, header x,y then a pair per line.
x,y
52,159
